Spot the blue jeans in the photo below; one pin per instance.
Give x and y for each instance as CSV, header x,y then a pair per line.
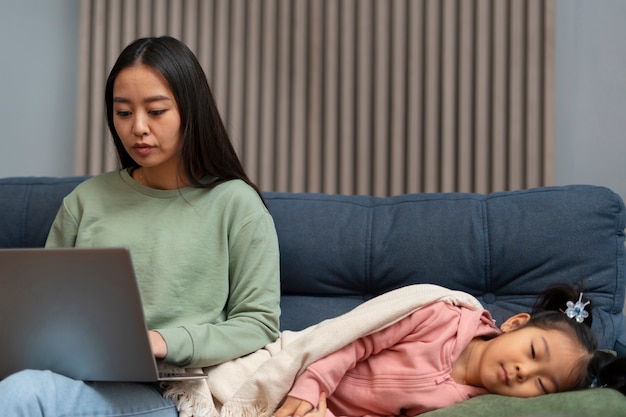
x,y
43,393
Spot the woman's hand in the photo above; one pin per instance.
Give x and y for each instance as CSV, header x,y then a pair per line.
x,y
158,345
294,407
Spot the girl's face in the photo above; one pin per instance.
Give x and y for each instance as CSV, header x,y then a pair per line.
x,y
146,118
528,361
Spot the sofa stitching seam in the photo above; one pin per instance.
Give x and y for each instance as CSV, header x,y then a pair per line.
x,y
26,203
486,245
368,246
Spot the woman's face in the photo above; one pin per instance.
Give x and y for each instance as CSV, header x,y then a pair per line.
x,y
146,118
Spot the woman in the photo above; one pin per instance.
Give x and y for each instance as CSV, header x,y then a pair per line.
x,y
202,241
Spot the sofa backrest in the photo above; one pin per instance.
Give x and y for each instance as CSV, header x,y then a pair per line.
x,y
504,248
338,251
28,206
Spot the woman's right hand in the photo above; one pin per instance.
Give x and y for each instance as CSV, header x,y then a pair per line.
x,y
295,407
157,344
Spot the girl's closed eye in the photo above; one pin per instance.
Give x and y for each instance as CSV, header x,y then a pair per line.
x,y
533,354
157,112
122,113
542,387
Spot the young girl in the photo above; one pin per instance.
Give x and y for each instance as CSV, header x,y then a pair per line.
x,y
442,354
203,244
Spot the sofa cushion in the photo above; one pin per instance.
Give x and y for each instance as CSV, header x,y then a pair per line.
x,y
28,207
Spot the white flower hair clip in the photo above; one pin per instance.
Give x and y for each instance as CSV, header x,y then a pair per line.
x,y
577,310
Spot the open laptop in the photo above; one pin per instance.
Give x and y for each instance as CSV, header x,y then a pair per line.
x,y
76,312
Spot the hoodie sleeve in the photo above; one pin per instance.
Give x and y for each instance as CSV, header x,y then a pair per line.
x,y
325,374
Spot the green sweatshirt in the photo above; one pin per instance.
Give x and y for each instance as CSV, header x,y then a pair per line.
x,y
207,262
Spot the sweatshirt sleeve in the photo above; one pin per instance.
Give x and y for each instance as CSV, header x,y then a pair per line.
x,y
64,229
325,374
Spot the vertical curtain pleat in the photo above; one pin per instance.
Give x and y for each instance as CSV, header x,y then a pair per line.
x,y
374,97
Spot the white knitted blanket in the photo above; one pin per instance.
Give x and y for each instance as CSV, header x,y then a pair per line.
x,y
254,385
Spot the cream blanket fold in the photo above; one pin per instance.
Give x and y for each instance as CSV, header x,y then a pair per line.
x,y
254,385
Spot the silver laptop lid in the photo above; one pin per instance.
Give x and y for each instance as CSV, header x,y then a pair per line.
x,y
76,312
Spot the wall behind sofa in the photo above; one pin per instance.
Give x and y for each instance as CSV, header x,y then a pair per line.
x,y
590,143
38,43
39,40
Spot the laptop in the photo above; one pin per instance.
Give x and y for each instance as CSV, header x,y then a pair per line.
x,y
76,312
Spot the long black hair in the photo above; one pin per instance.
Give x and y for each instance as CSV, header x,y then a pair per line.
x,y
599,368
206,149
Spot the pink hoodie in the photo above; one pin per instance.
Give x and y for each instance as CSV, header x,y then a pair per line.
x,y
401,370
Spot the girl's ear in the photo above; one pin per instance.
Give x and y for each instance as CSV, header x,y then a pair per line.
x,y
514,322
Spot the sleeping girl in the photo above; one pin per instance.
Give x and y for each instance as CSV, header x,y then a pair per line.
x,y
442,354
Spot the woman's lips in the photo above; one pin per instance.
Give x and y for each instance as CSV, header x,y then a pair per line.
x,y
142,149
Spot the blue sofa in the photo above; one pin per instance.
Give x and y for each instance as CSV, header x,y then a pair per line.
x,y
504,248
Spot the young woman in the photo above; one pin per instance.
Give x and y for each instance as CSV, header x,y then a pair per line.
x,y
442,354
203,244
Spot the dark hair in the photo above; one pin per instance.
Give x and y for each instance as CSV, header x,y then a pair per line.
x,y
206,149
597,369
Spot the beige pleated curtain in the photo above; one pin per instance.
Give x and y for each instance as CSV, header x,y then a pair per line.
x,y
374,97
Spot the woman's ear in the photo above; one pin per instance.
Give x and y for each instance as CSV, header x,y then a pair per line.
x,y
514,322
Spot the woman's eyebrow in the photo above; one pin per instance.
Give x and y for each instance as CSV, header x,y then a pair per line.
x,y
156,98
150,99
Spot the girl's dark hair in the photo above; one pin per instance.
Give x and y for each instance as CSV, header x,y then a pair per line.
x,y
206,149
600,368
